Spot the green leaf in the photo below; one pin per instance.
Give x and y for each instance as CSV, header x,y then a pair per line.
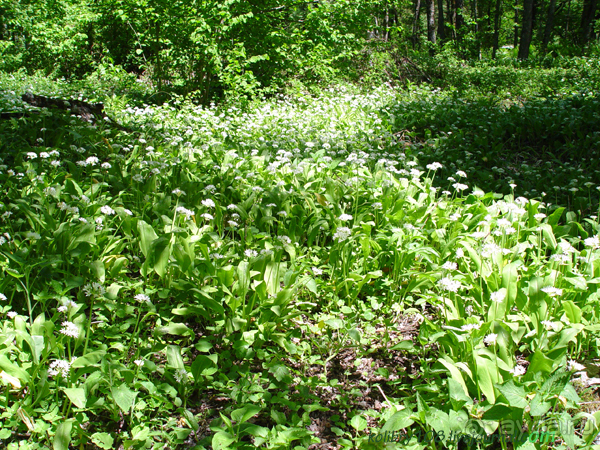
x,y
572,311
12,369
515,395
497,412
103,440
538,406
160,255
147,236
358,422
222,440
486,375
88,360
177,329
77,396
539,363
123,397
242,415
62,438
401,419
455,373
174,359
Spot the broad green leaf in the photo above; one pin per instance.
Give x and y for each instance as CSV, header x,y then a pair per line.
x,y
358,422
89,359
486,376
455,373
103,440
124,397
401,419
538,362
77,396
174,359
515,395
147,236
62,438
12,369
222,440
242,415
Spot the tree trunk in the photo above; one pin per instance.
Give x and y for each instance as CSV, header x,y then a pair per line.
x,y
441,24
431,21
459,21
415,36
549,25
527,29
587,20
497,17
516,39
476,20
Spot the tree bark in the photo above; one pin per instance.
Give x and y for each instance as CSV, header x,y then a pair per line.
x,y
497,17
587,20
526,29
476,19
441,24
459,21
549,25
516,38
415,36
431,21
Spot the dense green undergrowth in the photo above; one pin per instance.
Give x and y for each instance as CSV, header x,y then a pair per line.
x,y
307,270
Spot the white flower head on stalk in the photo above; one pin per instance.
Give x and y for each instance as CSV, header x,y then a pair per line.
x,y
139,362
434,166
70,329
341,234
178,192
207,216
208,203
345,217
460,186
498,296
3,297
107,210
448,284
449,265
552,291
250,253
470,327
185,211
317,271
593,242
142,298
93,289
490,339
59,367
518,371
461,174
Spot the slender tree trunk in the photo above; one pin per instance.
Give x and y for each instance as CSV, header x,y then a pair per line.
x,y
549,25
459,22
516,38
587,20
441,24
431,21
526,29
158,65
497,17
416,23
476,19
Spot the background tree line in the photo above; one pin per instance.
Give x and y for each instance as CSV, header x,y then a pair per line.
x,y
210,47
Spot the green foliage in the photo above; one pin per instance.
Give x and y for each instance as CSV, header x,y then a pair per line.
x,y
236,278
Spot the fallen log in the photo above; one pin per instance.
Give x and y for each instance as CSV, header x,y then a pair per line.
x,y
90,112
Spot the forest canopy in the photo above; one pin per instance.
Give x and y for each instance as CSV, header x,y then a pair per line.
x,y
241,46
